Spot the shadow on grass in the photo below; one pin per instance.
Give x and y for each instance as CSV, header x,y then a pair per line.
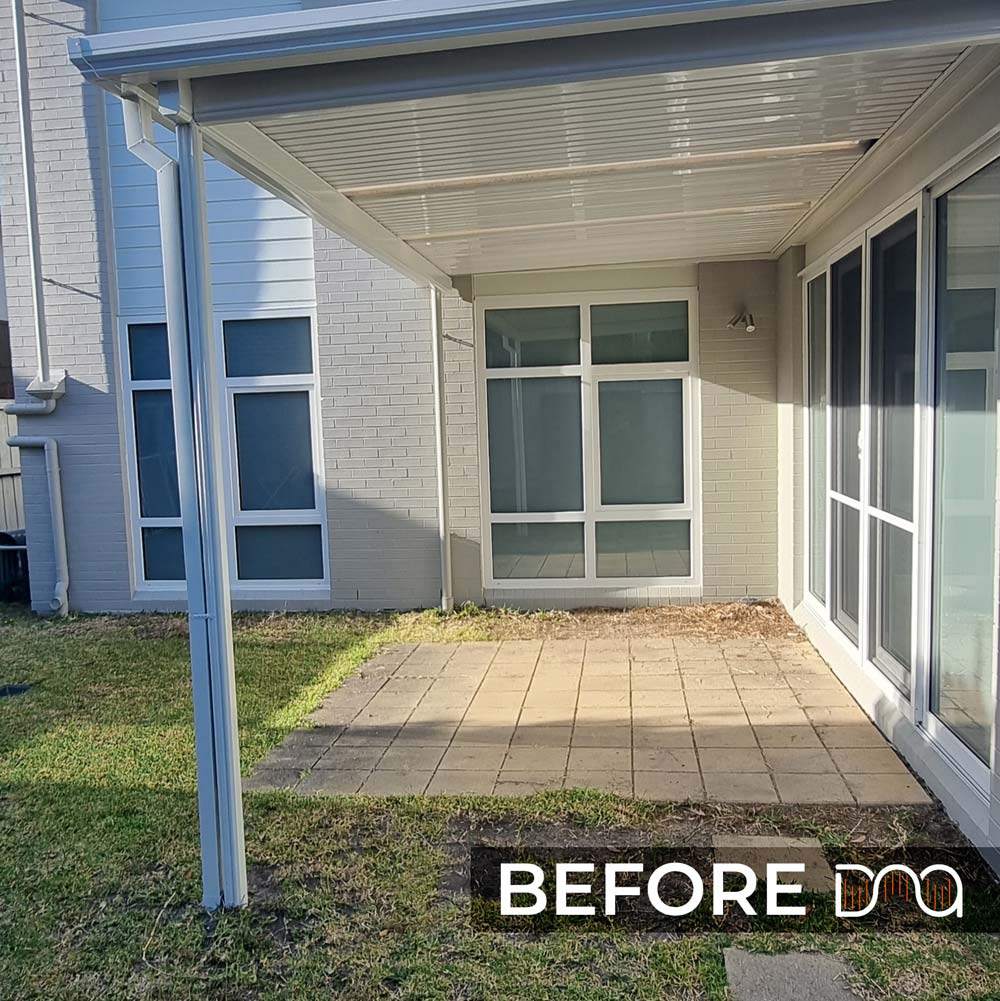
x,y
99,895
112,695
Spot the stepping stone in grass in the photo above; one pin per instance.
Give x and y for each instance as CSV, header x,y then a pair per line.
x,y
790,976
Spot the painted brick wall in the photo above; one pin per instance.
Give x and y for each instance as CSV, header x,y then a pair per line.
x,y
378,430
739,430
71,178
463,449
739,448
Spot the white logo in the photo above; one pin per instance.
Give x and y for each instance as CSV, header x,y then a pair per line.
x,y
937,899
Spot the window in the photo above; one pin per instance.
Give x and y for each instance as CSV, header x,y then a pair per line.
x,y
276,501
589,431
150,409
963,592
6,365
276,497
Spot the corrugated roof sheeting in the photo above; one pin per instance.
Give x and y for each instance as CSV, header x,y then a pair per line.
x,y
789,103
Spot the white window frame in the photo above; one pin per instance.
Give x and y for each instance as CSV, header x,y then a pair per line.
x,y
591,376
137,521
310,383
237,518
917,706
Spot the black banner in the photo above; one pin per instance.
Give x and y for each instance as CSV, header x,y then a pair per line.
x,y
690,889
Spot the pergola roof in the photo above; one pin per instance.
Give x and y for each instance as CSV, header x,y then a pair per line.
x,y
485,136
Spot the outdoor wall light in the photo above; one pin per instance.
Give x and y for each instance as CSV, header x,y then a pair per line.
x,y
743,319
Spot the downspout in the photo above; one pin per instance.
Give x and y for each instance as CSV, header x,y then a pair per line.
x,y
59,603
441,443
220,810
139,140
47,386
44,387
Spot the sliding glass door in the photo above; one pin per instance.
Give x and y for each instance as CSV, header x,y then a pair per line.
x,y
862,524
901,354
892,354
964,577
845,412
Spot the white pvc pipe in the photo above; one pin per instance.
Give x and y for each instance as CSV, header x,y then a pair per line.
x,y
187,294
31,408
30,207
59,602
441,450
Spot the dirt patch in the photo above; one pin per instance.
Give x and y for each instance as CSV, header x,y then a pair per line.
x,y
695,824
765,620
715,622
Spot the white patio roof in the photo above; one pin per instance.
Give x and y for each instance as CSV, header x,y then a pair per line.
x,y
452,139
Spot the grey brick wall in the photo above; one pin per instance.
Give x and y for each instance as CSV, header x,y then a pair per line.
x,y
71,177
463,449
739,430
378,430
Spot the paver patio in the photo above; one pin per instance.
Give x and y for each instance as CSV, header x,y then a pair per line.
x,y
756,721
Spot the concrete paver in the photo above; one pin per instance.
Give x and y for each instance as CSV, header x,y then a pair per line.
x,y
744,721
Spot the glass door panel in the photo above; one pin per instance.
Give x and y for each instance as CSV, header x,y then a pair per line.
x,y
892,347
963,596
845,412
817,436
846,576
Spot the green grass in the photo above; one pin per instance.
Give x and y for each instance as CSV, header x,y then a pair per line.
x,y
99,885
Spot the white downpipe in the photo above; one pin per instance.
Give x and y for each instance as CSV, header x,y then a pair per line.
x,y
44,386
30,193
220,806
441,443
59,603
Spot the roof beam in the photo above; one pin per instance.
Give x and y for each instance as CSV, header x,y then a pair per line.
x,y
769,37
247,150
542,227
471,182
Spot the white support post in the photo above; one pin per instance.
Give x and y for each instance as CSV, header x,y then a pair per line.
x,y
441,451
206,545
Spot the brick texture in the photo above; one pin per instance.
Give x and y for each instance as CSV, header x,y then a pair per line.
x,y
71,179
739,430
378,430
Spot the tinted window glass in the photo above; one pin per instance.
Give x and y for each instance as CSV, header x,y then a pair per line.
x,y
268,347
535,444
523,338
639,332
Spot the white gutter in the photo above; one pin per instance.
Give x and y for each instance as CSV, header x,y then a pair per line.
x,y
44,387
382,28
59,603
441,451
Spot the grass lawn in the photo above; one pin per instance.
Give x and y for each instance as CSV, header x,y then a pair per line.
x,y
99,884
